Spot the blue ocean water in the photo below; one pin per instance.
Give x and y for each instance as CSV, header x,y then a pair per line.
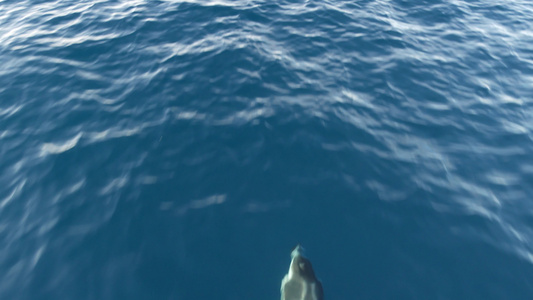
x,y
180,149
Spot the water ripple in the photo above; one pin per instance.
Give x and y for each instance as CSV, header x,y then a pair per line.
x,y
408,118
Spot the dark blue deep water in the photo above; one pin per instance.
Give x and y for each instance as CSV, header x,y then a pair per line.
x,y
180,149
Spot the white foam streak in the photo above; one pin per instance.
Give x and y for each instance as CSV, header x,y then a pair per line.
x,y
16,191
112,133
37,255
7,112
216,199
56,148
114,185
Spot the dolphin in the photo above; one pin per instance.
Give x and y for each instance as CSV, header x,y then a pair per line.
x,y
300,282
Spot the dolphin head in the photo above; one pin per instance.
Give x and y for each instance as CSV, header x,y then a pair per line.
x,y
300,282
301,266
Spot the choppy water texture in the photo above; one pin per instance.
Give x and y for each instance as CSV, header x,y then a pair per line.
x,y
179,150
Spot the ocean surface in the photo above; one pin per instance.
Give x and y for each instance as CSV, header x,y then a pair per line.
x,y
181,149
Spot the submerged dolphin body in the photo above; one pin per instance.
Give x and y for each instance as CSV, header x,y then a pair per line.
x,y
300,283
